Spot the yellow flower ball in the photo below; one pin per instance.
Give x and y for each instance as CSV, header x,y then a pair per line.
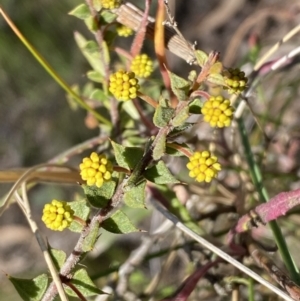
x,y
124,31
203,166
58,215
218,112
123,85
235,80
96,169
111,4
142,65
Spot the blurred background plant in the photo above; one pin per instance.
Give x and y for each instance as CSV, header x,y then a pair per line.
x,y
37,123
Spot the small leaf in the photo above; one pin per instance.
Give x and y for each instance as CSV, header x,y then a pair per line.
x,y
91,24
127,157
216,79
181,116
98,94
58,257
135,197
95,76
216,68
97,5
81,11
99,197
180,86
195,106
201,57
82,281
119,223
162,116
30,289
160,147
178,130
160,174
90,240
107,17
81,210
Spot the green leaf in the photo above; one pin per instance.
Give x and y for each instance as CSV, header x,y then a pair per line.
x,y
90,240
58,257
127,157
30,289
201,57
91,56
107,17
81,11
97,5
175,152
179,86
181,116
95,76
119,223
82,281
178,130
160,147
195,106
162,116
81,210
98,94
99,197
216,79
135,197
160,174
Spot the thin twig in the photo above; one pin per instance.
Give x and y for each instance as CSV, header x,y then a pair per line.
x,y
218,251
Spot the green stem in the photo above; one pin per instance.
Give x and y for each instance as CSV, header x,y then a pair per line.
x,y
51,71
263,195
251,289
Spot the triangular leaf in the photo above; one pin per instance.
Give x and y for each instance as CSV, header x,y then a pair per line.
x,y
95,76
216,68
82,211
162,116
58,257
127,157
81,11
119,223
201,57
135,197
180,86
82,281
195,106
160,174
99,197
30,289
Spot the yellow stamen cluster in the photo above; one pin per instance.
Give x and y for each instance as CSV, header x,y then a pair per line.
x,y
217,111
142,65
58,215
203,166
123,85
96,169
111,4
124,31
235,80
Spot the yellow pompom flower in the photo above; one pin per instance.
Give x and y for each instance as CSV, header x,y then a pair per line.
x,y
203,166
111,4
124,31
96,169
142,65
218,112
235,80
58,215
123,85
